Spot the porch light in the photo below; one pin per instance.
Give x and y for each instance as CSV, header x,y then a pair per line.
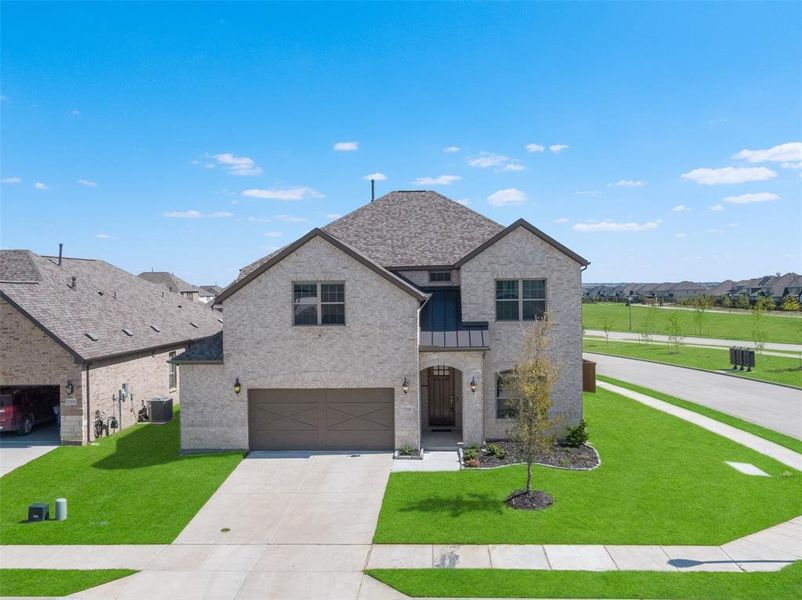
x,y
405,386
237,386
473,384
70,388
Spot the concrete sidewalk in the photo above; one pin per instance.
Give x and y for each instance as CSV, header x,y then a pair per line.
x,y
622,336
772,406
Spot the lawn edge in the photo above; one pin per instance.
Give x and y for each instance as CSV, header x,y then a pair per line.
x,y
758,430
724,373
118,574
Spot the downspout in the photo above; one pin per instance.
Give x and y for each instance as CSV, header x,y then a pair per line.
x,y
88,412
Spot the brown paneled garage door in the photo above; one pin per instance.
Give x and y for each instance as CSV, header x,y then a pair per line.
x,y
321,419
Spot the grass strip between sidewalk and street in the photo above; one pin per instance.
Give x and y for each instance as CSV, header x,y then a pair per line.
x,y
52,582
768,434
499,583
771,369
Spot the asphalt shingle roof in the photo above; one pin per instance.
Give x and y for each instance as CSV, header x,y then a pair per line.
x,y
104,301
410,229
168,280
207,350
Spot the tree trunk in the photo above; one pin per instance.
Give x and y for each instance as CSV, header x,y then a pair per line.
x,y
529,477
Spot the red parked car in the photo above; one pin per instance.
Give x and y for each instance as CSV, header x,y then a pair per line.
x,y
21,409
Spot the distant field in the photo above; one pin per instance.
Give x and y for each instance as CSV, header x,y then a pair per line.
x,y
775,369
734,326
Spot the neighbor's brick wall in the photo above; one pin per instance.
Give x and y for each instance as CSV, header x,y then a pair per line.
x,y
28,356
523,255
376,348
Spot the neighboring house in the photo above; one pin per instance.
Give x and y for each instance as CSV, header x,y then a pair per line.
x,y
386,326
208,293
172,283
85,328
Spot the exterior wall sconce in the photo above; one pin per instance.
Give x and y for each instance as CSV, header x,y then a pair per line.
x,y
70,388
237,386
473,384
405,386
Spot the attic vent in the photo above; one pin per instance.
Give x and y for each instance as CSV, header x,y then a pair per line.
x,y
100,292
195,325
179,306
219,319
154,328
128,332
91,336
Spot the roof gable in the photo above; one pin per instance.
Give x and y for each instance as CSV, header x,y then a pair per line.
x,y
530,228
287,250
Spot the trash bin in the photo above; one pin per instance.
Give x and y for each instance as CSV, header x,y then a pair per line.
x,y
588,376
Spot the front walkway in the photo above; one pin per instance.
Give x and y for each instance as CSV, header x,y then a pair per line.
x,y
772,406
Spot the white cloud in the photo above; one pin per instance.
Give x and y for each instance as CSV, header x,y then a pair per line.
x,y
237,165
439,180
12,180
87,182
561,220
290,219
729,175
716,208
258,220
346,146
791,165
594,226
40,186
628,183
680,235
790,152
451,149
507,197
376,176
103,236
513,166
273,234
502,163
557,148
333,216
680,208
751,198
589,193
75,112
195,214
535,148
286,194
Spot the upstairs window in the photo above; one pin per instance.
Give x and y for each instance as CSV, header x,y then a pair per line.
x,y
520,299
172,378
503,396
318,303
439,276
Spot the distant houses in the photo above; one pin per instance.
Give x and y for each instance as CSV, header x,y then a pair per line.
x,y
777,287
173,284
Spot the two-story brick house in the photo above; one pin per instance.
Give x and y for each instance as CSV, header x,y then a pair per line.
x,y
389,324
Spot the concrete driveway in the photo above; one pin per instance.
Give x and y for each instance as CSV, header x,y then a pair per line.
x,y
295,498
16,450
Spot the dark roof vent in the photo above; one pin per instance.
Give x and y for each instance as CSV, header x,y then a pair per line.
x,y
156,329
91,336
73,282
100,292
219,319
128,332
195,325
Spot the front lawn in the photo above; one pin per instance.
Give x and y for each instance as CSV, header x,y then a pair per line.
x,y
130,488
776,369
49,582
715,324
498,583
662,481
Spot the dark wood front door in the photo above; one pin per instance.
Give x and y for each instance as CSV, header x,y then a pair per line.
x,y
442,397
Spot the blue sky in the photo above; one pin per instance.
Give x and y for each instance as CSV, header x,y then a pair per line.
x,y
195,138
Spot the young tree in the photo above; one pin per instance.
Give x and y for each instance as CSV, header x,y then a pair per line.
x,y
762,304
531,381
701,304
743,301
725,301
607,325
675,337
790,303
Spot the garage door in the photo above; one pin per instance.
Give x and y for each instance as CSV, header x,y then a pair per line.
x,y
321,419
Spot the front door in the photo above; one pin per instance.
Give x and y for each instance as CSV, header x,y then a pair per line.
x,y
442,397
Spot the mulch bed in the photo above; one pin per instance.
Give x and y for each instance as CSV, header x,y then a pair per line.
x,y
566,457
535,500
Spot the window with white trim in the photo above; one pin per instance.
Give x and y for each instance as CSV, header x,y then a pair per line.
x,y
318,303
520,299
504,395
172,373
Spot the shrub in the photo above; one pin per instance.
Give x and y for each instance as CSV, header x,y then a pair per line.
x,y
498,451
577,435
470,453
407,451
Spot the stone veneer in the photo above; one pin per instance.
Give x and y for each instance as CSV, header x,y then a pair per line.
x,y
523,255
376,348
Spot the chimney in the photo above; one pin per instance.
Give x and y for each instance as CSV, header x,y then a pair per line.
x,y
372,190
60,249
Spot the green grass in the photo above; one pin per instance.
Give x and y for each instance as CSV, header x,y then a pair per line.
x,y
774,369
131,488
50,582
662,481
498,583
773,436
729,326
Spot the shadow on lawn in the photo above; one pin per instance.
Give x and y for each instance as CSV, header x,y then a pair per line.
x,y
457,505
